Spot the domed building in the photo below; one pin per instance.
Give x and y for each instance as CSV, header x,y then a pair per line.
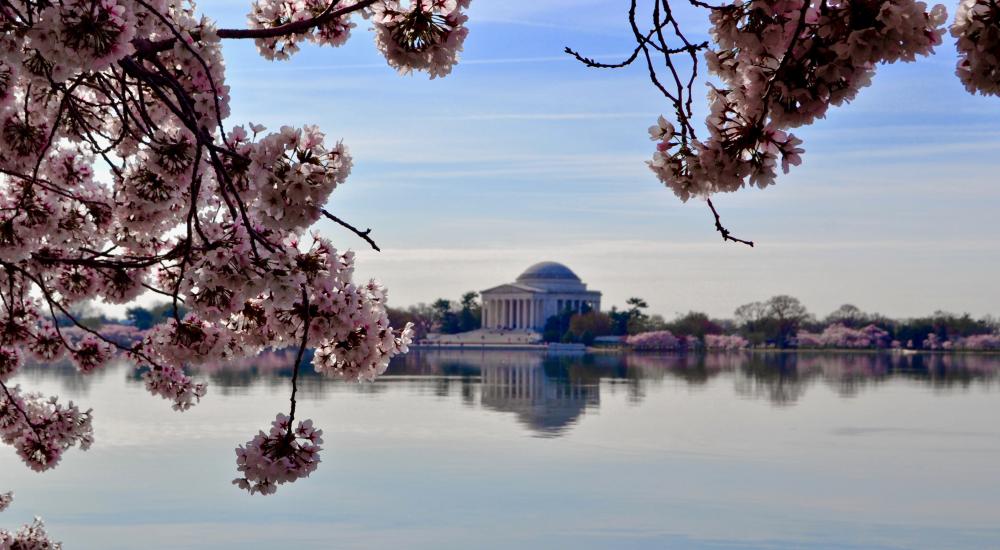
x,y
543,290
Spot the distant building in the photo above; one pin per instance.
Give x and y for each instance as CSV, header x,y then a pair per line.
x,y
543,290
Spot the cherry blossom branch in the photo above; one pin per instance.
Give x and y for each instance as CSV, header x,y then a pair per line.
x,y
13,401
297,26
307,315
726,235
210,217
363,234
146,47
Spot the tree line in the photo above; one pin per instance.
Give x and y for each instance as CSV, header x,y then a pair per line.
x,y
776,322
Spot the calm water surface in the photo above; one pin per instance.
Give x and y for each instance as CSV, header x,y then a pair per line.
x,y
516,449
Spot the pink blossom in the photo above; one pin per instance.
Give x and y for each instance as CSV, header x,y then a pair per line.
x,y
842,337
725,342
783,64
661,340
41,429
28,537
977,38
279,456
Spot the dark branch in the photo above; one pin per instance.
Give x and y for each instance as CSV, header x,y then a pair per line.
x,y
363,234
726,235
147,47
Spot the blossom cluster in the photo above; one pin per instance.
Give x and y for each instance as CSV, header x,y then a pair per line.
x,y
426,36
41,429
843,337
783,64
419,35
976,342
977,38
5,500
28,537
269,14
171,383
725,342
657,340
664,340
279,456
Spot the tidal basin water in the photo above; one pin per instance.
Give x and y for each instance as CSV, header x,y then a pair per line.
x,y
472,449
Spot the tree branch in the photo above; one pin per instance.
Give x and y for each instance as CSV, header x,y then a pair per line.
x,y
363,234
148,47
726,235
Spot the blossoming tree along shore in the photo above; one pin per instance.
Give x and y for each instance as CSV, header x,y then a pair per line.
x,y
119,175
781,64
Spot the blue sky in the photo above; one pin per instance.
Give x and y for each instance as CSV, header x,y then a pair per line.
x,y
523,155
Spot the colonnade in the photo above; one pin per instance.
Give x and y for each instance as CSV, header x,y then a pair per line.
x,y
528,313
514,313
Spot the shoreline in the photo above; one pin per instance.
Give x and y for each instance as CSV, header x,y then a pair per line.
x,y
563,348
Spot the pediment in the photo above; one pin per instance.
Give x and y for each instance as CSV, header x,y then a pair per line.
x,y
511,288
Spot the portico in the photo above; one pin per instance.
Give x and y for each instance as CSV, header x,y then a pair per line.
x,y
543,290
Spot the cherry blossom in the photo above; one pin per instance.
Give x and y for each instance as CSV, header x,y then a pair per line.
x,y
279,456
977,38
784,63
122,174
979,342
28,537
842,337
725,342
426,36
776,65
660,340
41,429
275,13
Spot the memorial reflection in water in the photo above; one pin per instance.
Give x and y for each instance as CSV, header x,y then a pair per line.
x,y
548,394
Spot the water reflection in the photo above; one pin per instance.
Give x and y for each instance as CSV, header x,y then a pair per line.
x,y
544,396
548,394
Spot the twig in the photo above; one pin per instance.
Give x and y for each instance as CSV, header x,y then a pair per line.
x,y
298,361
726,235
363,234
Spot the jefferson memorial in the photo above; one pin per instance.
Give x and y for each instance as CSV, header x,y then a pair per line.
x,y
543,290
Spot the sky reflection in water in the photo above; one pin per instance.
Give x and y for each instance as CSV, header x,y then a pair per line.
x,y
495,449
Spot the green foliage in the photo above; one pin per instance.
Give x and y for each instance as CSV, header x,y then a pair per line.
x,y
772,323
443,315
557,327
632,320
946,326
694,323
593,322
